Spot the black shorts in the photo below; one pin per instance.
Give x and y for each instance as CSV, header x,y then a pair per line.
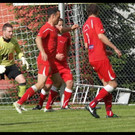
x,y
11,72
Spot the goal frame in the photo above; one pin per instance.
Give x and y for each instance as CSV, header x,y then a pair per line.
x,y
61,8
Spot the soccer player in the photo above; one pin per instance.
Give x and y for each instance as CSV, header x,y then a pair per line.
x,y
96,41
64,43
8,47
46,41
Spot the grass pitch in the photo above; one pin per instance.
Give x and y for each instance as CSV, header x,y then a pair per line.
x,y
68,120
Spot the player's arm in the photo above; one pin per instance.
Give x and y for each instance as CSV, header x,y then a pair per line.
x,y
67,29
20,55
40,47
68,42
85,41
2,69
109,53
106,41
59,56
86,45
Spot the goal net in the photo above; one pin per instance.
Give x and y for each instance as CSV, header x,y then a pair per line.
x,y
27,20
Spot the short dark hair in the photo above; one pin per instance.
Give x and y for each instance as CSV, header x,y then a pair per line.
x,y
92,9
61,19
6,25
51,11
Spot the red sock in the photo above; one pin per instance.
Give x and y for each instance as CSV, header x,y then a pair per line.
x,y
29,92
42,98
102,93
67,96
51,98
108,104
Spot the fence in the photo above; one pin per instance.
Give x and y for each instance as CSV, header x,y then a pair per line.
x,y
118,21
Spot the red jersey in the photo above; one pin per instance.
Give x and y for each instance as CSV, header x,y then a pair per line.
x,y
64,41
49,35
96,49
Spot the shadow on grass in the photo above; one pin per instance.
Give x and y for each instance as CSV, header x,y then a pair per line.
x,y
7,124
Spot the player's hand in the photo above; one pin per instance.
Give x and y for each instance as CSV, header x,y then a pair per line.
x,y
44,56
24,62
2,69
60,56
75,26
109,53
118,52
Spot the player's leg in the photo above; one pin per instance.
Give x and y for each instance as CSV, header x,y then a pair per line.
x,y
57,81
105,72
22,85
43,72
30,92
67,76
14,73
43,94
104,76
108,100
67,94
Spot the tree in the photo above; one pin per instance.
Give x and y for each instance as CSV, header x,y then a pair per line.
x,y
121,31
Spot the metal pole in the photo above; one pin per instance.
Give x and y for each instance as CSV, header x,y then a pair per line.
x,y
61,7
77,44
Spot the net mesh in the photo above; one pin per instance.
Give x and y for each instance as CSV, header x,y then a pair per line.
x,y
119,27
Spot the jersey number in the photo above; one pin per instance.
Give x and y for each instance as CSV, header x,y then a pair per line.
x,y
7,57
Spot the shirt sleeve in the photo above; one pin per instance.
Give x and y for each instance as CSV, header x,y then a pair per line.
x,y
69,39
99,27
44,32
18,49
84,35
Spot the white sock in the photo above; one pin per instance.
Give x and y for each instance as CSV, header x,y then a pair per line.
x,y
109,88
34,88
43,92
68,90
54,88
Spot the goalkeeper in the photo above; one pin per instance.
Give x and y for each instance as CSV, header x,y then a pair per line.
x,y
8,47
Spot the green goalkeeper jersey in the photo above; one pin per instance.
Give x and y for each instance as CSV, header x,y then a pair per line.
x,y
7,51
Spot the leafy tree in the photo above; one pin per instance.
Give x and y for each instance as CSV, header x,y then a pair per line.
x,y
120,30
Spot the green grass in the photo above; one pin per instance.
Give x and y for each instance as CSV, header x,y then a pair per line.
x,y
68,120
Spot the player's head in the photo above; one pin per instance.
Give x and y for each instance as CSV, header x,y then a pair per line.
x,y
60,23
7,30
53,15
92,9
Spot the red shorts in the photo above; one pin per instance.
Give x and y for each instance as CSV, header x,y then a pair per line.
x,y
49,81
104,70
64,72
46,68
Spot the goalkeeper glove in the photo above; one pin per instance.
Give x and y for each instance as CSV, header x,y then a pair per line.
x,y
24,62
2,69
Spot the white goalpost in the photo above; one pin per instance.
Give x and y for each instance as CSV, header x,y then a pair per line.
x,y
25,31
